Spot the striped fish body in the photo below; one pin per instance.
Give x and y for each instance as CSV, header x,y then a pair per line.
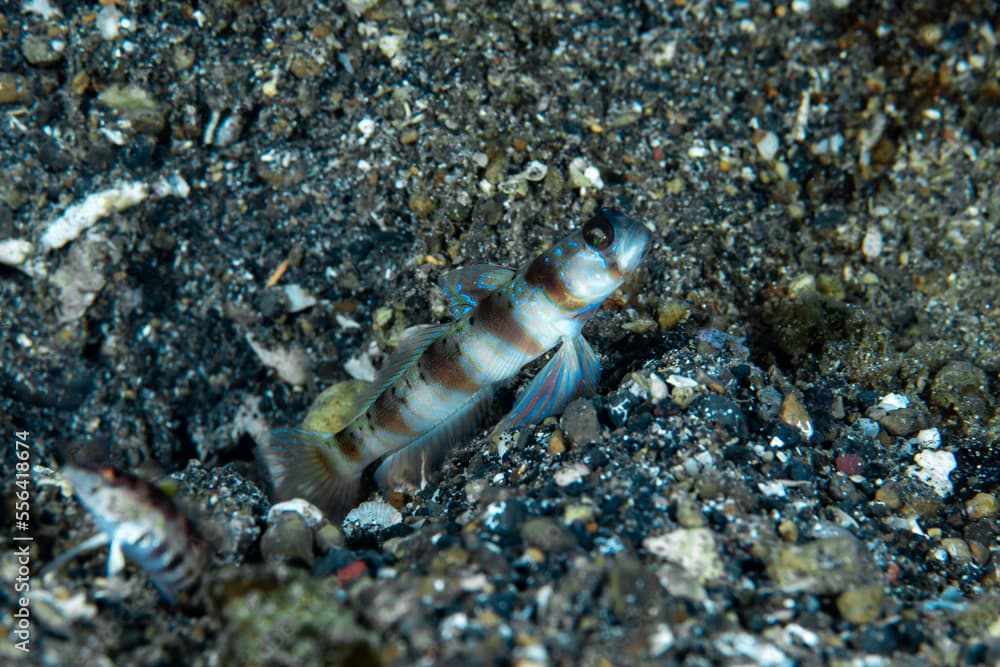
x,y
436,389
143,524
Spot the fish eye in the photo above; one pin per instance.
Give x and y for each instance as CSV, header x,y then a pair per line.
x,y
598,233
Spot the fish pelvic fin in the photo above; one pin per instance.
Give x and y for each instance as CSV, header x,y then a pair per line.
x,y
574,370
410,468
305,464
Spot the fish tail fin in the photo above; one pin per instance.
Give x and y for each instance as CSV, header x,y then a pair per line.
x,y
303,464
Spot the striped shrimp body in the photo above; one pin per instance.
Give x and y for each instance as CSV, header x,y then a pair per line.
x,y
437,387
140,522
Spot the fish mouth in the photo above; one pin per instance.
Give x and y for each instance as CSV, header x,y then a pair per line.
x,y
633,240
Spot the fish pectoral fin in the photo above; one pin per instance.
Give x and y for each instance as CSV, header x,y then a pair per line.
x,y
116,558
410,468
468,285
574,370
301,464
93,542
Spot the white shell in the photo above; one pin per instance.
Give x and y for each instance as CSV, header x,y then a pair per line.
x,y
376,514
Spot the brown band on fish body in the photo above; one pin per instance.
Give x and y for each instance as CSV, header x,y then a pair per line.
x,y
496,317
544,274
388,414
347,442
444,366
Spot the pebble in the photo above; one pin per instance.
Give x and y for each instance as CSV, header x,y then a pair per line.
x,y
933,468
824,566
850,464
557,444
980,553
42,50
871,245
961,387
670,314
13,252
579,422
889,494
693,549
788,531
767,144
288,538
14,89
982,506
795,415
958,550
548,535
571,473
861,605
900,422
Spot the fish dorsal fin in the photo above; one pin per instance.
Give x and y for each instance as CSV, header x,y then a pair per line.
x,y
414,465
412,343
574,370
466,286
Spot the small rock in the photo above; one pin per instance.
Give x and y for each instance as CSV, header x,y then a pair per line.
x,y
505,517
767,144
850,464
980,553
14,251
933,468
824,566
871,245
982,506
693,549
557,444
579,422
889,494
42,50
958,550
961,387
569,474
861,605
900,422
328,536
547,535
14,89
794,414
288,538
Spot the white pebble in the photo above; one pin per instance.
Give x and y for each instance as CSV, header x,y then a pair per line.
x,y
871,245
767,145
571,473
681,381
79,217
891,402
298,298
933,468
290,364
15,251
310,514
